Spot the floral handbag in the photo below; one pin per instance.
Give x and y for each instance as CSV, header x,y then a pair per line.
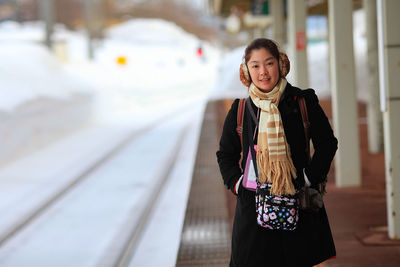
x,y
276,212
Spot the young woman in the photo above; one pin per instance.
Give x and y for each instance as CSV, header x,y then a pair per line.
x,y
281,165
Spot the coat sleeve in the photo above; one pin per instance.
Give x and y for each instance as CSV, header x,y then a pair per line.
x,y
324,142
229,151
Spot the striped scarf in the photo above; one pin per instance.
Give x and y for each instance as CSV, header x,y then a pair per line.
x,y
273,154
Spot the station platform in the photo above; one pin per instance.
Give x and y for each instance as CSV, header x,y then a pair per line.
x,y
357,215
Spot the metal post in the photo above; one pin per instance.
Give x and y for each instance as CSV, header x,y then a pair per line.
x,y
101,18
17,11
344,100
46,10
298,42
389,70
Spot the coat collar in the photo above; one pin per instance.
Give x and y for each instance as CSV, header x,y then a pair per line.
x,y
290,92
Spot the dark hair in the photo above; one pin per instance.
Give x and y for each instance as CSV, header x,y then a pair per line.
x,y
259,43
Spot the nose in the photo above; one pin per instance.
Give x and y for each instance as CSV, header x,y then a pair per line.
x,y
263,70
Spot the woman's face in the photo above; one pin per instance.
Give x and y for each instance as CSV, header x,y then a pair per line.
x,y
264,69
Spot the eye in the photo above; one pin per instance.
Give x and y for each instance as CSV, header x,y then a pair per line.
x,y
270,63
254,66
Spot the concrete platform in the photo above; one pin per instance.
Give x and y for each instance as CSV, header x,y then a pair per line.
x,y
206,233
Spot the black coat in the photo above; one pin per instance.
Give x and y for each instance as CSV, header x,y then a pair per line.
x,y
311,243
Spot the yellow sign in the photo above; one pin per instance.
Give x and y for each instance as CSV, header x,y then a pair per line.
x,y
122,61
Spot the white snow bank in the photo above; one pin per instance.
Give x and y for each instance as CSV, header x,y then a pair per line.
x,y
156,32
159,54
33,31
30,72
40,101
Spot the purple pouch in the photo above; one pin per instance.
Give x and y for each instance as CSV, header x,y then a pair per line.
x,y
249,177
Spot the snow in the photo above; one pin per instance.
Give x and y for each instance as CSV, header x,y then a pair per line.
x,y
229,84
156,32
65,164
162,69
40,102
14,32
31,72
177,185
160,59
123,181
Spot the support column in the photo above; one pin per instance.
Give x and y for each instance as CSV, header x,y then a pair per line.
x,y
278,26
374,114
343,86
298,42
389,70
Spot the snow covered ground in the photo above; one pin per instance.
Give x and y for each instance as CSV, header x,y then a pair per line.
x,y
91,223
29,71
39,101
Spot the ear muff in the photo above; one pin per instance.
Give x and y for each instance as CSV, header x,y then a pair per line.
x,y
244,75
284,64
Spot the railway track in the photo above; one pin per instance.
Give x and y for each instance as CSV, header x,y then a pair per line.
x,y
118,244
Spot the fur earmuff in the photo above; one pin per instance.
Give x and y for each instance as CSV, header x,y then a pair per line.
x,y
284,64
244,75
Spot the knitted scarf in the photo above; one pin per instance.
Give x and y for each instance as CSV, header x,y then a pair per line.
x,y
273,154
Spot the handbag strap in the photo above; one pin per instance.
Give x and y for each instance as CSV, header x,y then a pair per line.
x,y
251,142
253,115
321,187
239,127
239,119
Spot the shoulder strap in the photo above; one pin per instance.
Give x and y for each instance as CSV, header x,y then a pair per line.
x,y
239,126
240,116
251,111
303,109
251,143
306,124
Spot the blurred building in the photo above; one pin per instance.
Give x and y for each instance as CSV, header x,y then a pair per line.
x,y
67,12
224,7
